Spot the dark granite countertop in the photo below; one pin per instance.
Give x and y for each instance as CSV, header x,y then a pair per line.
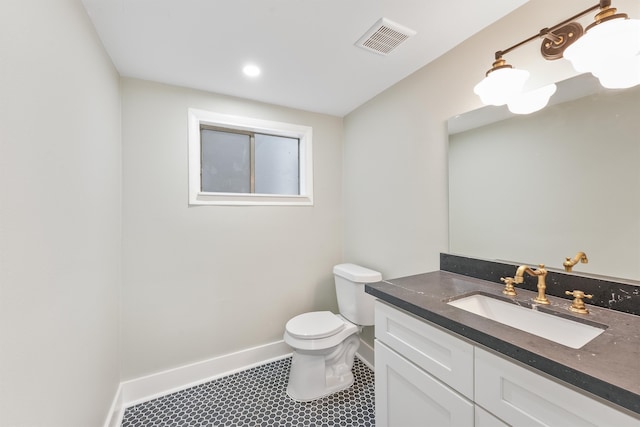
x,y
608,366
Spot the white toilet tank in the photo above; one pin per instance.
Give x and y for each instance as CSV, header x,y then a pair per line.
x,y
354,304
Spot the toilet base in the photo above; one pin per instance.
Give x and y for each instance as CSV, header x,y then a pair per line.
x,y
318,373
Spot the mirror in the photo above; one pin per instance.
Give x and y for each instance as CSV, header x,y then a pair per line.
x,y
542,187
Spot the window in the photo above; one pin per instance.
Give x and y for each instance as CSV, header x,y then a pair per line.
x,y
248,162
243,161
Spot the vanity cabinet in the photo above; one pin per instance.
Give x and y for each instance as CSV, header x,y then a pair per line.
x,y
427,376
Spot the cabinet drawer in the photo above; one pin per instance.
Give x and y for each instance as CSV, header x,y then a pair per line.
x,y
408,396
441,354
523,397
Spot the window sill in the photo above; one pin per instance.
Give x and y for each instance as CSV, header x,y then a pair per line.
x,y
241,199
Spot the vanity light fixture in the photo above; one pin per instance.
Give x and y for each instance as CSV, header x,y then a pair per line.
x,y
609,48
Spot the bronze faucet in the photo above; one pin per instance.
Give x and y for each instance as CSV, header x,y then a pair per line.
x,y
569,263
541,272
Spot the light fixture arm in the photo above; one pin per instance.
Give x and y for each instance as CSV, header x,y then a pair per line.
x,y
548,33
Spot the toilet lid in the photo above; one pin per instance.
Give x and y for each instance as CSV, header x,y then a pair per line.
x,y
314,325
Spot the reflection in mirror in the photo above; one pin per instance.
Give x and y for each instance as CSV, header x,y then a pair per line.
x,y
539,188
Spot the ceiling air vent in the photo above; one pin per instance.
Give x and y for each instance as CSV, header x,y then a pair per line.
x,y
384,36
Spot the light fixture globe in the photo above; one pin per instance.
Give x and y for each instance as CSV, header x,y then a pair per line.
x,y
532,101
501,84
611,40
622,73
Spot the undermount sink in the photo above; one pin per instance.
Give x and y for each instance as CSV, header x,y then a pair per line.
x,y
564,331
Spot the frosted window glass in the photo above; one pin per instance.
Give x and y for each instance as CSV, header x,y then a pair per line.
x,y
276,165
226,162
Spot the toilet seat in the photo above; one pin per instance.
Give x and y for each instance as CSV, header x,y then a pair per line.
x,y
314,325
301,341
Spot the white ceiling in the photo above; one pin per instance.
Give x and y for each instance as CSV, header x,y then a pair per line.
x,y
306,48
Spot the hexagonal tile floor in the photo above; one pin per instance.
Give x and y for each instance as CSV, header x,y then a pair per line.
x,y
257,397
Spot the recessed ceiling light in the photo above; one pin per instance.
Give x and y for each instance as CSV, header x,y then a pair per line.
x,y
251,70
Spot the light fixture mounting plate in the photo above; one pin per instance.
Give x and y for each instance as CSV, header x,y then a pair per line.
x,y
553,48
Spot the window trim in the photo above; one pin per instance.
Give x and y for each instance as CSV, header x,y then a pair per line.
x,y
197,197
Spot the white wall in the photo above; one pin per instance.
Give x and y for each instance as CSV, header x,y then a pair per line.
x,y
206,281
395,183
60,231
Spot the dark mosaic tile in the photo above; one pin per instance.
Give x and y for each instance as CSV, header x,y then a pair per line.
x,y
257,397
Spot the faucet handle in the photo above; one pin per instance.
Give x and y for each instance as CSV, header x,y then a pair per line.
x,y
577,305
508,286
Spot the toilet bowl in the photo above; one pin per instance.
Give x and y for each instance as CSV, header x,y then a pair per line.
x,y
324,344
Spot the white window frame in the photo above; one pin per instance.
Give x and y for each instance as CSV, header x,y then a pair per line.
x,y
197,118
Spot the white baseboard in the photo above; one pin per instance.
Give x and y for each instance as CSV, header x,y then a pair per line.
x,y
114,416
366,354
159,384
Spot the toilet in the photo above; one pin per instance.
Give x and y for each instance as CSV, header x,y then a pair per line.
x,y
324,344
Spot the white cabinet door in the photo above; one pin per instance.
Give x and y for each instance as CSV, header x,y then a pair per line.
x,y
406,396
438,352
522,397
